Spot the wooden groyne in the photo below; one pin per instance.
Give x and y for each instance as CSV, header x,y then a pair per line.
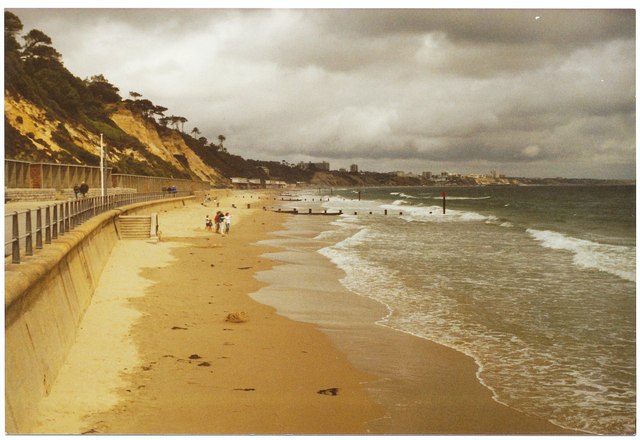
x,y
309,212
324,212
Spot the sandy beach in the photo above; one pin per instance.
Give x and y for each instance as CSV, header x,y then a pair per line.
x,y
156,354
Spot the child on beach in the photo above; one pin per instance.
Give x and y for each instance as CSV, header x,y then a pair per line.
x,y
208,223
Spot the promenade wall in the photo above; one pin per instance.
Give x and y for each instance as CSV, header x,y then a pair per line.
x,y
20,174
45,299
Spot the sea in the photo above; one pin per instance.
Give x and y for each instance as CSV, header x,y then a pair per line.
x,y
536,283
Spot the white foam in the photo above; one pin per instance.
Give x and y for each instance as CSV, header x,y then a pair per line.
x,y
616,260
462,198
434,213
406,196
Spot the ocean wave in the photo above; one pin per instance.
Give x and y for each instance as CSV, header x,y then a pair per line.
x,y
406,196
508,365
462,198
616,260
434,213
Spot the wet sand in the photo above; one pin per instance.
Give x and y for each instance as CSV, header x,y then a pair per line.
x,y
424,387
155,354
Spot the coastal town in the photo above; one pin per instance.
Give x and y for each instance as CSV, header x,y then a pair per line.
x,y
324,175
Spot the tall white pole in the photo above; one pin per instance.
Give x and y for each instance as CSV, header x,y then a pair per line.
x,y
101,167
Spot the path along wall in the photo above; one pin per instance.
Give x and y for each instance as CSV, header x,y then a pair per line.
x,y
45,299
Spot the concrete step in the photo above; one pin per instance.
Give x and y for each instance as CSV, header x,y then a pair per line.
x,y
135,227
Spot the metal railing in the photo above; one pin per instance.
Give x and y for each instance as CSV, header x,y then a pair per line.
x,y
55,220
21,174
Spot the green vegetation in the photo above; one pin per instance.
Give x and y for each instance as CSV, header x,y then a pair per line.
x,y
34,71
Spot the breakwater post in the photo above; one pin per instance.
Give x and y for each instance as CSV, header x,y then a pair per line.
x,y
444,198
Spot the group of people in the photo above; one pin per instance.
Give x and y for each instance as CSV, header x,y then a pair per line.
x,y
83,189
222,223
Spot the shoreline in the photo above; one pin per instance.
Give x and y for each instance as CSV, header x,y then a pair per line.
x,y
193,371
437,380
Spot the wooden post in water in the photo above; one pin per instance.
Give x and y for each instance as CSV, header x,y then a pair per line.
x,y
444,202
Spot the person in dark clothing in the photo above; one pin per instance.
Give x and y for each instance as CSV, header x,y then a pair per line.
x,y
84,189
76,190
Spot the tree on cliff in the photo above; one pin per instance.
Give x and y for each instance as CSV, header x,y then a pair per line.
x,y
15,78
38,45
181,121
159,111
12,25
221,138
195,132
102,89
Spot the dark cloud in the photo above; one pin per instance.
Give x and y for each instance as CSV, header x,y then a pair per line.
x,y
575,27
416,89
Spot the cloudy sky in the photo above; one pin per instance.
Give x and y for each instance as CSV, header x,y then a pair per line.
x,y
525,92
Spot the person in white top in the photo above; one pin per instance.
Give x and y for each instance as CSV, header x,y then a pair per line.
x,y
222,224
227,222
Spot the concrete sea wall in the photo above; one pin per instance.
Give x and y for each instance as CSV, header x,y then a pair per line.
x,y
45,299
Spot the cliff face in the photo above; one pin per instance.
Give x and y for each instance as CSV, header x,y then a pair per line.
x,y
34,136
169,146
32,122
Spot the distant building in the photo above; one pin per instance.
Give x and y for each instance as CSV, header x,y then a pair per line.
x,y
354,169
321,166
244,183
275,184
426,174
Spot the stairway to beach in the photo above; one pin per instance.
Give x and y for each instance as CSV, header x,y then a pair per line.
x,y
135,227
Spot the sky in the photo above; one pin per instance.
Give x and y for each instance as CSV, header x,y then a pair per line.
x,y
524,92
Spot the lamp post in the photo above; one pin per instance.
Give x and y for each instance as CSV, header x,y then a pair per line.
x,y
103,189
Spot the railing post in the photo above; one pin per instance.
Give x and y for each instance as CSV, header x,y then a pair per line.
x,y
15,245
67,217
28,239
72,214
39,228
87,208
55,225
47,225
